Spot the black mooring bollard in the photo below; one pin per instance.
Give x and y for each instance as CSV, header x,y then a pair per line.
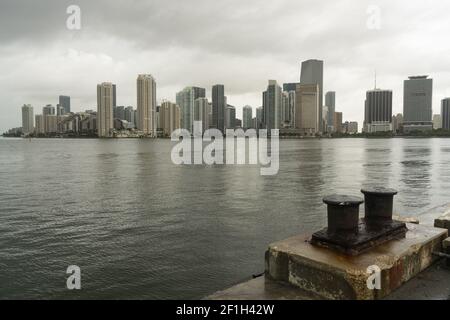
x,y
343,213
378,202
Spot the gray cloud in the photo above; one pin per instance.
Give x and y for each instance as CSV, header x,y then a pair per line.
x,y
239,43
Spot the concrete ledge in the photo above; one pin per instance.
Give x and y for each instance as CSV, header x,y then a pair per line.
x,y
443,221
333,275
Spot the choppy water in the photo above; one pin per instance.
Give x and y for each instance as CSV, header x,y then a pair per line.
x,y
142,227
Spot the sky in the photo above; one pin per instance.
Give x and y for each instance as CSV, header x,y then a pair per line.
x,y
241,44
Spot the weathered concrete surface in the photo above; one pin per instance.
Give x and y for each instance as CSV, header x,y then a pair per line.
x,y
406,219
337,276
262,288
433,283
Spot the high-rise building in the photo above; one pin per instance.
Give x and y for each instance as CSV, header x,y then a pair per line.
x,y
27,119
338,122
129,115
437,121
49,113
247,115
105,116
201,113
64,101
119,112
230,117
114,95
146,104
330,102
40,128
417,104
169,117
308,117
272,106
445,113
378,111
285,110
185,100
312,73
218,106
259,118
290,86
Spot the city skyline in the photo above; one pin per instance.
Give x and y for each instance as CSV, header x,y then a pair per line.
x,y
42,59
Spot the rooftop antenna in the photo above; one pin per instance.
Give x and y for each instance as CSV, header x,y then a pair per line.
x,y
375,79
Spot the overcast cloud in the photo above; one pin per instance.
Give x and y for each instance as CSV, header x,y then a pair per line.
x,y
241,44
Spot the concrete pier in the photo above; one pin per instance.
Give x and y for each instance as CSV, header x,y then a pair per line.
x,y
408,267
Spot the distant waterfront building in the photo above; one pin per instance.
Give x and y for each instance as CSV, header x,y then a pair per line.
x,y
49,114
60,110
330,102
146,104
169,117
105,116
285,110
238,123
64,101
129,114
445,113
378,111
39,128
114,93
350,127
185,100
27,119
230,117
308,117
119,112
272,106
311,74
218,106
201,113
437,121
338,122
287,87
397,123
247,115
417,104
259,118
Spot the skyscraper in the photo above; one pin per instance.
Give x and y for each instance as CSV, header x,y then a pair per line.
x,y
169,118
230,117
49,116
307,114
247,115
378,111
272,106
105,117
218,106
114,96
146,104
437,121
445,113
64,101
338,122
129,115
185,100
330,102
27,119
259,118
40,128
312,73
201,113
417,103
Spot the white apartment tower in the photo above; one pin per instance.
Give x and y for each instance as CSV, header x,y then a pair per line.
x,y
105,117
146,104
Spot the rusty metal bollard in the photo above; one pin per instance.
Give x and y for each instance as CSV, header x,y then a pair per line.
x,y
378,203
343,213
